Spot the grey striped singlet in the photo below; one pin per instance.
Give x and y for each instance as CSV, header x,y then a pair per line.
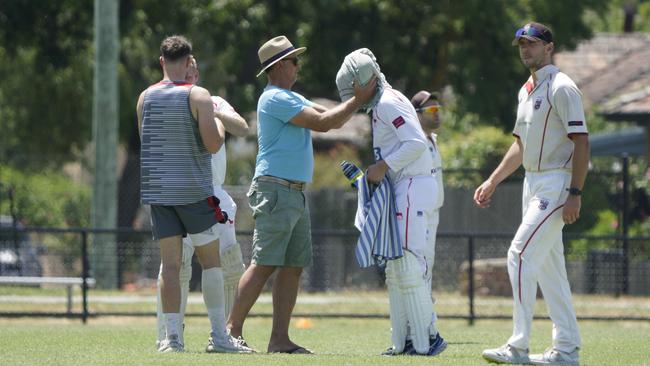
x,y
175,166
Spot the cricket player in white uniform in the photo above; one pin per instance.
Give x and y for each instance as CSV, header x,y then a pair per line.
x,y
232,265
427,106
551,143
401,153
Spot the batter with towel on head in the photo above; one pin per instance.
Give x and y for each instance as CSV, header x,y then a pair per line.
x,y
551,143
401,154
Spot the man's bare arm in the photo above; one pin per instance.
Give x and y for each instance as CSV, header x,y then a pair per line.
x,y
571,209
233,122
201,107
312,119
138,111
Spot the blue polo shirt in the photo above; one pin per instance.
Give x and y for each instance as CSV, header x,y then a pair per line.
x,y
284,149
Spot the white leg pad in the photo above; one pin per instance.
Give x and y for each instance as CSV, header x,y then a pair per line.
x,y
185,275
212,286
416,298
160,320
398,319
233,267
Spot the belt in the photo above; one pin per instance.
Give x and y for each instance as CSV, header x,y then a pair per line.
x,y
300,186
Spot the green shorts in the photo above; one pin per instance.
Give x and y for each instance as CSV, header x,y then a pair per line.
x,y
282,235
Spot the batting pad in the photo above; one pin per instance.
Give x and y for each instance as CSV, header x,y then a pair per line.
x,y
416,298
398,319
162,331
212,288
233,267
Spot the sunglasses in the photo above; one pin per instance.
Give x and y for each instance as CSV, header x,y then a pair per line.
x,y
530,31
294,60
428,109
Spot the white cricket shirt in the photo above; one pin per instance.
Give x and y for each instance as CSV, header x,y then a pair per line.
x,y
432,144
219,158
548,113
398,138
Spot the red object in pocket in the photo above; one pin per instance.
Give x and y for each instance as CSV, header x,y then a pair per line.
x,y
221,216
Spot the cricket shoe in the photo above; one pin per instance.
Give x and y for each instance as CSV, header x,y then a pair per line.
x,y
436,345
408,345
554,356
159,342
225,343
171,344
507,354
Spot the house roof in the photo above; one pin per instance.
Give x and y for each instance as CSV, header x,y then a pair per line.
x,y
613,72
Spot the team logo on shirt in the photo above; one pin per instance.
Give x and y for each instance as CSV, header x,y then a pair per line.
x,y
538,103
543,204
399,216
398,122
575,123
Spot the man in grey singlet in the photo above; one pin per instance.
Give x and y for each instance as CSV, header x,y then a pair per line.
x,y
179,134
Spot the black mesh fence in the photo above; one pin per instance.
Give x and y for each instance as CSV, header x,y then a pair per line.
x,y
470,275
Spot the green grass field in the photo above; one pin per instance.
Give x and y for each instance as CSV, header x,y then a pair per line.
x,y
336,341
130,341
13,298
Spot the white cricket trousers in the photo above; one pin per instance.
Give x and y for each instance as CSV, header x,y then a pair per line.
x,y
415,198
536,256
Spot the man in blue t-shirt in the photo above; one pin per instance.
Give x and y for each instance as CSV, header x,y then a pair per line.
x,y
285,163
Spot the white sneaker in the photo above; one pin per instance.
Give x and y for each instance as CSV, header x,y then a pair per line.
x,y
553,356
159,342
507,354
171,344
224,343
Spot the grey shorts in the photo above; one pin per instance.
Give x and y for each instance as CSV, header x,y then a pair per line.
x,y
282,235
196,219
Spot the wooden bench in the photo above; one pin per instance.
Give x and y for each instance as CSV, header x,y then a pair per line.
x,y
68,282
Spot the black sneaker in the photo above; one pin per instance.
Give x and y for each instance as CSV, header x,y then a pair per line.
x,y
436,345
408,346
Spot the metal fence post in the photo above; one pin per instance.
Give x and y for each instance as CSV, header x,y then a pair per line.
x,y
84,274
470,288
625,222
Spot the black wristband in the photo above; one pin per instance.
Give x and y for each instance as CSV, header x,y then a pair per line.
x,y
574,191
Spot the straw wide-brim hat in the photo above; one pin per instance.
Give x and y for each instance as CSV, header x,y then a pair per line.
x,y
275,50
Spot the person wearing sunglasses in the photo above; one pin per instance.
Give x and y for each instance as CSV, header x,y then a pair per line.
x,y
284,166
427,106
551,143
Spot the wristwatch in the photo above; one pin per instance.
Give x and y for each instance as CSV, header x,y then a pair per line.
x,y
574,191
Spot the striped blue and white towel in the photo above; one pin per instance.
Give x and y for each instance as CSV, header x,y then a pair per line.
x,y
379,240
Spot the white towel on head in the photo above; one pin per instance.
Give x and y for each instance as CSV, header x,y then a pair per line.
x,y
360,65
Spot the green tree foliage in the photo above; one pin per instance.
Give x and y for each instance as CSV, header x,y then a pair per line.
x,y
477,153
46,198
46,48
